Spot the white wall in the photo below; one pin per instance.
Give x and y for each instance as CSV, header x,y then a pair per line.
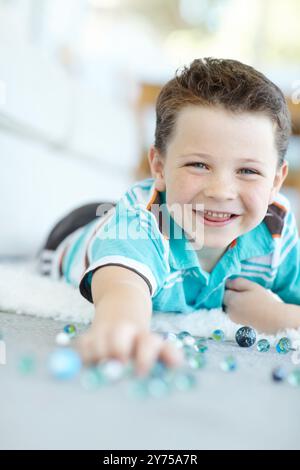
x,y
62,144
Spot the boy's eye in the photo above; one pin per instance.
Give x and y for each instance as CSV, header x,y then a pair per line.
x,y
252,172
201,165
196,164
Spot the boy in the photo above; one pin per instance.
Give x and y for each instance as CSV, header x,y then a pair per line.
x,y
218,164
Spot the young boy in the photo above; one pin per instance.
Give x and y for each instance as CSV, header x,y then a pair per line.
x,y
218,164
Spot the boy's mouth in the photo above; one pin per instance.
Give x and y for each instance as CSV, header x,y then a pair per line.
x,y
216,218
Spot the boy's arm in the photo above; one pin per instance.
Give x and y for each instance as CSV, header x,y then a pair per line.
x,y
288,316
249,303
121,326
121,294
287,282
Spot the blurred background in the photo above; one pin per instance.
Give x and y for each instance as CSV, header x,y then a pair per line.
x,y
78,83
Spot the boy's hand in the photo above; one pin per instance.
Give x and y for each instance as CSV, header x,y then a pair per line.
x,y
248,303
125,341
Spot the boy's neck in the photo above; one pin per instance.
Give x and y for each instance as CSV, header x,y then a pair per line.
x,y
208,257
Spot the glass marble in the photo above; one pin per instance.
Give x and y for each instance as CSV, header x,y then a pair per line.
x,y
64,364
178,344
129,369
70,330
201,344
92,378
113,370
245,337
162,371
218,335
27,364
139,389
62,339
184,381
189,351
294,378
201,339
283,346
159,368
188,340
198,361
183,334
145,387
161,381
170,337
229,364
200,347
278,374
157,387
263,345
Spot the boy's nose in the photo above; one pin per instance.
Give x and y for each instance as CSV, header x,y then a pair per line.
x,y
220,188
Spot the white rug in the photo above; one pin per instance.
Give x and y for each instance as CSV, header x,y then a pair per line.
x,y
24,291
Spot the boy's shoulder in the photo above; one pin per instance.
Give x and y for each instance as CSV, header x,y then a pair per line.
x,y
267,241
277,215
137,205
139,194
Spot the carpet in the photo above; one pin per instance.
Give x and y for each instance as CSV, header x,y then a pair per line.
x,y
24,291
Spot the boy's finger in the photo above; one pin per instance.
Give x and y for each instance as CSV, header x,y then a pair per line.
x,y
91,349
171,355
147,350
83,346
228,297
240,284
122,342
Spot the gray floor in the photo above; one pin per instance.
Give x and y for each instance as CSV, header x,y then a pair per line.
x,y
240,410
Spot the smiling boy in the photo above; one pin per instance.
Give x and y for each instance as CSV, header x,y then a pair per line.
x,y
222,131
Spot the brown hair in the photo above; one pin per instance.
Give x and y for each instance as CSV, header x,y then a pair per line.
x,y
222,82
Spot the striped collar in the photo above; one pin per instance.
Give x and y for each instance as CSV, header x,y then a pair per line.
x,y
257,242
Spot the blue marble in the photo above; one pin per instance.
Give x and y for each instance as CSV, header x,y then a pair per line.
x,y
263,345
218,335
283,346
64,364
245,337
229,364
70,330
279,374
294,378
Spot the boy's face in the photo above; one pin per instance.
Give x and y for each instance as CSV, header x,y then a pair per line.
x,y
205,163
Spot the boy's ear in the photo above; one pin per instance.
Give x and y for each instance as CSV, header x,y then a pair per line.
x,y
156,163
280,176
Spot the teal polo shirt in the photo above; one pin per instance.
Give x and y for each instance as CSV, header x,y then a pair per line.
x,y
269,254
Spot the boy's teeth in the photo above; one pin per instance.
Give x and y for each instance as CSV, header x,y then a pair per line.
x,y
218,215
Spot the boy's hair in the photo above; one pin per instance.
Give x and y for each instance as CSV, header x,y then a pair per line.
x,y
227,83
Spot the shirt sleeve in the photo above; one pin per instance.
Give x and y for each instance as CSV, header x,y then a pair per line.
x,y
130,239
287,281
